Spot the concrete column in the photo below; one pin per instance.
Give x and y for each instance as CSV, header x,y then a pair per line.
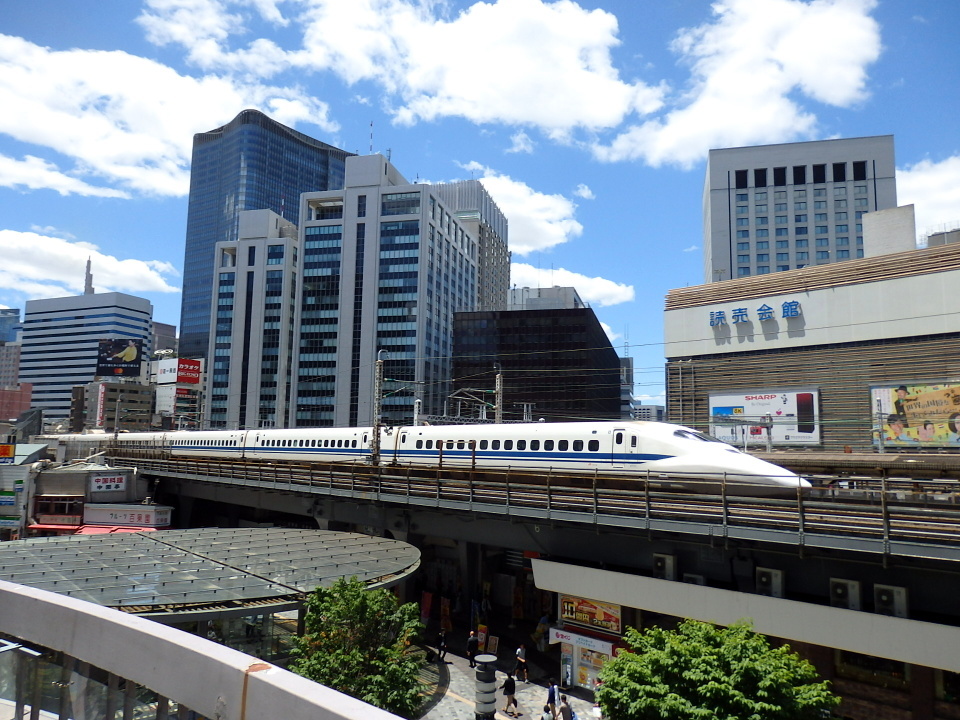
x,y
486,693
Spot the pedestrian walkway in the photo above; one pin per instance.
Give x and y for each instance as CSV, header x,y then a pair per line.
x,y
453,684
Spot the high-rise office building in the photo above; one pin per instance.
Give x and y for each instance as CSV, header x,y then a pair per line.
x,y
61,342
9,324
251,349
385,265
251,163
780,207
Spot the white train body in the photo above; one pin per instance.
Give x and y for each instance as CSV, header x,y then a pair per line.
x,y
668,455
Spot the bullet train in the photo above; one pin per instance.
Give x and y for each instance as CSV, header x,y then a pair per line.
x,y
669,456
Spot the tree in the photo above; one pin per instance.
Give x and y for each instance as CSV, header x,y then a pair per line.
x,y
359,642
704,671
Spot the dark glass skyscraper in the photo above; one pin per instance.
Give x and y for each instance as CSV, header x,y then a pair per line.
x,y
251,163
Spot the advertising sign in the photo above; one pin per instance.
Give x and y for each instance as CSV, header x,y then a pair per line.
x,y
120,357
914,415
7,454
793,416
178,370
134,515
99,483
590,613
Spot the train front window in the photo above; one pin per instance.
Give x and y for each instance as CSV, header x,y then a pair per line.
x,y
694,435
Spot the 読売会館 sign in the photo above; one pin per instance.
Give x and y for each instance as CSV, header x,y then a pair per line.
x,y
793,416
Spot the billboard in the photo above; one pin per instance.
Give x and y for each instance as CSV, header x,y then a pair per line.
x,y
119,357
794,417
8,453
919,414
178,370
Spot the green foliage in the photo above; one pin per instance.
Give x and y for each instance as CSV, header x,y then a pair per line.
x,y
702,671
360,642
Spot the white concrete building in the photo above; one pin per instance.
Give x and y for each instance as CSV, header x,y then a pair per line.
x,y
781,207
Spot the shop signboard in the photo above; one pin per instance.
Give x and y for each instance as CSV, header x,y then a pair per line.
x,y
8,454
9,522
917,414
590,613
112,481
793,416
8,497
581,657
132,515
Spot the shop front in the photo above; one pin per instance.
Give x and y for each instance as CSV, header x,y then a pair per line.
x,y
589,636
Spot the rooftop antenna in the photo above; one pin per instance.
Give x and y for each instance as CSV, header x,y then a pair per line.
x,y
371,137
88,280
389,154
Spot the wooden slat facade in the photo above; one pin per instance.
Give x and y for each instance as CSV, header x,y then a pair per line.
x,y
843,374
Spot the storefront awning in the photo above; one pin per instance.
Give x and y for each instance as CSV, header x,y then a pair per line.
x,y
105,529
42,526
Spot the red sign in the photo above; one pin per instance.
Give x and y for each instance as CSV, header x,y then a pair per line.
x,y
188,371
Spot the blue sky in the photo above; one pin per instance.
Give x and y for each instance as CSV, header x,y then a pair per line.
x,y
587,121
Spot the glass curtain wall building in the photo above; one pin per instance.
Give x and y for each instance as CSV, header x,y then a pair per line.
x,y
251,163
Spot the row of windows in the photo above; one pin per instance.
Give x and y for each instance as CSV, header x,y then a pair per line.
x,y
799,174
314,443
534,445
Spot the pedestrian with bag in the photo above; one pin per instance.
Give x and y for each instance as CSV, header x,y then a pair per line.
x,y
442,645
509,688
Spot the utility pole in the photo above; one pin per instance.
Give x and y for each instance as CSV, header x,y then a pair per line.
x,y
377,408
116,418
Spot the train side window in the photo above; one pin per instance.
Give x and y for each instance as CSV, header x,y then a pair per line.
x,y
449,444
353,443
483,444
495,445
508,444
548,445
593,445
562,445
403,438
534,444
633,441
618,438
429,444
577,445
419,444
521,444
460,444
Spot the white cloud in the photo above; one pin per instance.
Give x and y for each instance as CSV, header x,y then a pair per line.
x,y
594,290
692,248
934,190
611,335
39,266
521,143
584,192
51,230
750,67
537,221
121,120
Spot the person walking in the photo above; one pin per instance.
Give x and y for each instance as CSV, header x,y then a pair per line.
x,y
473,644
553,696
509,688
522,663
442,645
547,713
565,712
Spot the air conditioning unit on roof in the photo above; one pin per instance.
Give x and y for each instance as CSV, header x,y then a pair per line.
x,y
769,582
664,566
845,593
890,600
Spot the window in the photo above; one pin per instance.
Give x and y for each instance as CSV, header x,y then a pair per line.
x,y
534,444
562,445
821,229
800,206
819,174
803,255
760,177
761,221
799,194
820,217
781,268
782,257
819,192
839,192
782,232
763,245
743,258
842,228
743,221
843,254
743,209
743,233
799,174
743,246
802,243
862,202
823,242
823,254
800,230
820,205
859,241
779,176
760,208
860,253
783,243
802,217
483,444
742,197
578,445
780,207
840,216
763,257
508,444
740,177
251,255
763,233
495,445
760,196
840,172
743,271
763,269
400,203
593,445
521,444
860,170
780,219
361,206
843,241
839,204
859,189
274,254
548,445
780,195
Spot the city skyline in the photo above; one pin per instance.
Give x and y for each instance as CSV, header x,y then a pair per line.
x,y
595,150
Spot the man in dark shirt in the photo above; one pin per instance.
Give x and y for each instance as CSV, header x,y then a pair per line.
x,y
473,643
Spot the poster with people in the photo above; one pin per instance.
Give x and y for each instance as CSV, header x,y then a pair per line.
x,y
917,414
119,356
